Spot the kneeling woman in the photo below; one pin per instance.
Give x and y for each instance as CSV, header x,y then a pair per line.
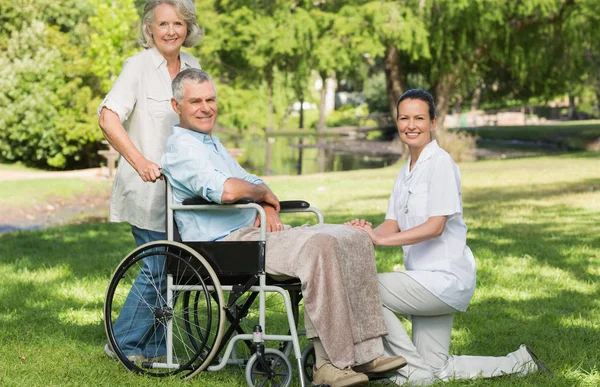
x,y
424,216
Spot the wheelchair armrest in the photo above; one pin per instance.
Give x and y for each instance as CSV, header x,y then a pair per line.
x,y
294,204
200,200
285,205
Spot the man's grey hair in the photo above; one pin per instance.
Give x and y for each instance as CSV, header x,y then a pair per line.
x,y
185,9
189,75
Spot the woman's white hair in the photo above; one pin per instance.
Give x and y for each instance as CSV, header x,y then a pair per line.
x,y
185,9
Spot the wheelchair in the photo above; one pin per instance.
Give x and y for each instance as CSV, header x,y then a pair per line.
x,y
186,309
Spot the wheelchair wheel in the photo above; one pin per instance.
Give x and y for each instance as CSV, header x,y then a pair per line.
x,y
192,310
308,361
278,324
274,370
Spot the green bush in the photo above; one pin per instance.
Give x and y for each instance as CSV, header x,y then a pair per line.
x,y
47,115
346,116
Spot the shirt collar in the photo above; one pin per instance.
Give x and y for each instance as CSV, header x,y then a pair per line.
x,y
158,59
204,138
429,150
185,61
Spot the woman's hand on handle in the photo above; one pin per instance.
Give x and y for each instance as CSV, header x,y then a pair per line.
x,y
117,136
148,171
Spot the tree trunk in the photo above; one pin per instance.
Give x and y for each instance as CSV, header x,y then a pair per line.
x,y
572,112
457,106
269,130
476,100
443,90
300,140
393,78
321,126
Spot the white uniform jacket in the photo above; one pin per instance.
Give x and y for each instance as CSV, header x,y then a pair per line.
x,y
444,265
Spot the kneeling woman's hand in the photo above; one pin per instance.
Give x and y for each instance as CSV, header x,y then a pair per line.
x,y
358,223
365,226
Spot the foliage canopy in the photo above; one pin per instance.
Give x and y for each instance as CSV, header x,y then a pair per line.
x,y
59,57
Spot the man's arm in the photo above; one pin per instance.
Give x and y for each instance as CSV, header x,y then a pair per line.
x,y
235,189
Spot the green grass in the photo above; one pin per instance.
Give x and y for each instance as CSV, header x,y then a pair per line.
x,y
28,192
18,167
534,227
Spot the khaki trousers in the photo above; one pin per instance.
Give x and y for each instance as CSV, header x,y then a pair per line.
x,y
427,352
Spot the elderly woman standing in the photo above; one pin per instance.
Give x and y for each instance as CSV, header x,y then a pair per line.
x,y
424,216
136,119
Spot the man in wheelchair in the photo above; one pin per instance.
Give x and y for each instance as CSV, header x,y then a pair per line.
x,y
335,263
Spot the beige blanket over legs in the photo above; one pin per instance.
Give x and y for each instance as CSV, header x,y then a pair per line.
x,y
336,266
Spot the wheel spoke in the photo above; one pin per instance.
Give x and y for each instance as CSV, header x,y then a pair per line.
x,y
195,328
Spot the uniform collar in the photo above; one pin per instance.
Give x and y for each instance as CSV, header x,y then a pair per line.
x,y
158,59
204,138
427,152
430,149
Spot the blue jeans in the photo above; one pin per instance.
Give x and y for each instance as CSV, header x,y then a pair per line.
x,y
135,330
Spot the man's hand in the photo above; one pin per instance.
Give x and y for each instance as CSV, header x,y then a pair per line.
x,y
274,224
148,171
271,200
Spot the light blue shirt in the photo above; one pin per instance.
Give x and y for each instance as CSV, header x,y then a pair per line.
x,y
197,164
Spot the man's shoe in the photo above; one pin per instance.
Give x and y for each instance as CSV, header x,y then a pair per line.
x,y
541,367
381,365
335,377
111,354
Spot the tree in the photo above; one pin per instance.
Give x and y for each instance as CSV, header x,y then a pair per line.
x,y
580,55
111,39
256,46
387,31
45,112
510,46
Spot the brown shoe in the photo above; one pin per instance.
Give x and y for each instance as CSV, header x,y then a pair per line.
x,y
381,365
335,377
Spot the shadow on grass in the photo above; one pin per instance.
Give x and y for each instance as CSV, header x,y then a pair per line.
x,y
483,201
40,267
54,279
524,244
509,222
559,328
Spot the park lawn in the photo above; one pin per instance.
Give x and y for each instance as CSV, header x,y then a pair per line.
x,y
18,167
23,193
534,227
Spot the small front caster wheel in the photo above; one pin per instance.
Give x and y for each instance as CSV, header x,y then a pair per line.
x,y
272,368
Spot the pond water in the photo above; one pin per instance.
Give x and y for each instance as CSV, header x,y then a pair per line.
x,y
286,155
